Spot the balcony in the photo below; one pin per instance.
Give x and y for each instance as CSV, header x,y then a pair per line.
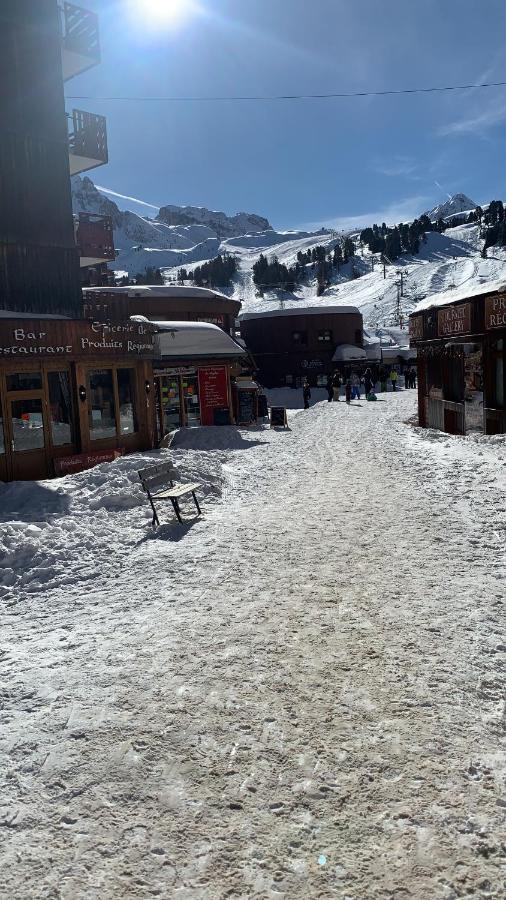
x,y
94,239
87,141
80,40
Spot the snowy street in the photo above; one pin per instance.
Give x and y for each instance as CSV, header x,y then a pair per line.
x,y
299,695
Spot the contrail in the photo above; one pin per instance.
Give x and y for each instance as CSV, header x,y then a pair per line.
x,y
125,197
443,190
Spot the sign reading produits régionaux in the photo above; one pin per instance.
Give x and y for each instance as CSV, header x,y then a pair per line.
x,y
36,338
454,320
495,312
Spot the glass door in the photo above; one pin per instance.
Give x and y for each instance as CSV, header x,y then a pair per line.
x,y
27,425
191,400
171,402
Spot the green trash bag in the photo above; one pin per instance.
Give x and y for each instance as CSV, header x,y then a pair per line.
x,y
371,396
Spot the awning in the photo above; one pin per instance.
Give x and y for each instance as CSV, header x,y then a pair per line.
x,y
349,353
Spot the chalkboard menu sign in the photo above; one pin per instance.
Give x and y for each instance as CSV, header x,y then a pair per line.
x,y
246,407
221,416
278,417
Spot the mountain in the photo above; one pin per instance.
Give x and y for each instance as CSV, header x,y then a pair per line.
x,y
456,204
224,226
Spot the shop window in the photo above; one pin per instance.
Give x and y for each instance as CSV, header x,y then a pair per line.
x,y
24,381
60,408
27,425
325,336
299,337
127,405
102,406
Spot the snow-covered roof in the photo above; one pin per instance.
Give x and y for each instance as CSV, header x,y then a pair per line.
x,y
303,311
463,293
195,339
162,290
348,353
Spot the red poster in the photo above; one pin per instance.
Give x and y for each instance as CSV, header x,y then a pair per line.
x,y
213,391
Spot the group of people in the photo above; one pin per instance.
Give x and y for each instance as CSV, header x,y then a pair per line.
x,y
354,381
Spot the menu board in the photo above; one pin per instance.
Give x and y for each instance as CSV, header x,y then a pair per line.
x,y
213,391
278,417
246,407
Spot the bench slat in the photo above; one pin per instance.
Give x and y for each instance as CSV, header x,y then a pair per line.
x,y
153,471
178,491
157,480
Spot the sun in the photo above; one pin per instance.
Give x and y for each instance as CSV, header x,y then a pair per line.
x,y
166,11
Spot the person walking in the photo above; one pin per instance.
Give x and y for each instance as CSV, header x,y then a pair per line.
x,y
330,389
306,393
368,381
355,386
336,386
393,379
347,391
413,374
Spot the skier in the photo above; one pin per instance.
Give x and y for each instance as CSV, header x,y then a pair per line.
x,y
330,389
306,393
336,386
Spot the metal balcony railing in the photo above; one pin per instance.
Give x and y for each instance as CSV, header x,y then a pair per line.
x,y
94,238
80,39
87,141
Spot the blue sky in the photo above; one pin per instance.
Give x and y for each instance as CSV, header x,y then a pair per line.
x,y
302,163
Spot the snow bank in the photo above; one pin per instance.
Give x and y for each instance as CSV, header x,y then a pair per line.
x,y
55,533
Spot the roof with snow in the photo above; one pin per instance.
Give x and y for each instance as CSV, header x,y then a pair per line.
x,y
446,298
192,340
162,290
348,353
303,311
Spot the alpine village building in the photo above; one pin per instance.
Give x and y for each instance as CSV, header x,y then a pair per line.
x,y
460,338
73,391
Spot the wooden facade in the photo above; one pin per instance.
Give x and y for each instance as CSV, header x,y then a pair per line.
x,y
39,262
185,305
291,345
72,393
461,350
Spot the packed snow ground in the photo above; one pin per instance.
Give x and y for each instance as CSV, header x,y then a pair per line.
x,y
299,695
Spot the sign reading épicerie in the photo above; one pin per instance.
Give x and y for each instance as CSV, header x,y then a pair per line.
x,y
32,338
495,312
454,320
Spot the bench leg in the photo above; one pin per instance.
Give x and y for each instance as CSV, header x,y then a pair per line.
x,y
175,504
196,503
155,517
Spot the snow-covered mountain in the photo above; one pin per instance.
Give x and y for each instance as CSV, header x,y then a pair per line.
x,y
224,226
456,204
448,260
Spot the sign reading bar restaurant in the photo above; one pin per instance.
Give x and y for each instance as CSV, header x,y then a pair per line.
x,y
495,312
454,320
416,328
23,339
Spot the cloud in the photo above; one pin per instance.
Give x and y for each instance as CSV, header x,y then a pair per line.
x,y
401,211
477,123
125,197
397,167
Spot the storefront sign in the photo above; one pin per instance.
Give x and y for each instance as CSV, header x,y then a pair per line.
x,y
416,328
495,312
212,320
181,370
23,339
454,320
67,465
213,391
312,363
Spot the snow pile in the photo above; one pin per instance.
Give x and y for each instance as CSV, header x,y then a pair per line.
x,y
64,532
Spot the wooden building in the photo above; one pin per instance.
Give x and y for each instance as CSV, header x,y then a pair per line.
x,y
460,338
169,303
310,342
72,392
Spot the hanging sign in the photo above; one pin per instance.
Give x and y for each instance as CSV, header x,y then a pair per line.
x,y
213,391
416,328
495,312
454,320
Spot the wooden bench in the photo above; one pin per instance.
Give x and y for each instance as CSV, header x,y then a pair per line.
x,y
158,482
